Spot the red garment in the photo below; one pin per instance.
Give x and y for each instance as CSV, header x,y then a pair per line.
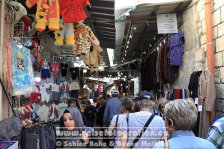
x,y
34,97
178,94
55,68
72,10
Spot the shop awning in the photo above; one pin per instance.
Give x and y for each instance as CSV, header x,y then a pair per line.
x,y
140,26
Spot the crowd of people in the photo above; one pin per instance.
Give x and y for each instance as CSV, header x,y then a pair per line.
x,y
141,122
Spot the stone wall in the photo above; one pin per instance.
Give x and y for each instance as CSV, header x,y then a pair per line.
x,y
218,27
195,46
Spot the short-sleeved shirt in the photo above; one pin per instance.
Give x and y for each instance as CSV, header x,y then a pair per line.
x,y
73,86
74,73
64,86
55,68
64,69
122,117
154,132
185,140
55,87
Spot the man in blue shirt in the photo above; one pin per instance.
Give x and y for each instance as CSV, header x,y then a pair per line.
x,y
180,117
216,133
112,107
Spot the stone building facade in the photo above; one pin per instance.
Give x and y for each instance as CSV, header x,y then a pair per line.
x,y
193,25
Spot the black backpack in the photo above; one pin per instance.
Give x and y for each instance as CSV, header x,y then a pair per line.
x,y
90,112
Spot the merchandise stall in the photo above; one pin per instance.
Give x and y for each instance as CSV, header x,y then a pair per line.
x,y
38,80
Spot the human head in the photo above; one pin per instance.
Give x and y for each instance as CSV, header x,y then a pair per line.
x,y
146,101
73,103
161,104
126,105
72,118
180,114
114,93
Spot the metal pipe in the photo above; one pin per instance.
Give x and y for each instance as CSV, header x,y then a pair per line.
x,y
209,45
1,47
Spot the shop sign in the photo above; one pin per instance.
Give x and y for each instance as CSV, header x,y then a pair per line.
x,y
167,23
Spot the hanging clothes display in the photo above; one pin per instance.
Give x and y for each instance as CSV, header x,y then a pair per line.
x,y
74,73
74,89
23,77
193,93
94,57
35,94
45,90
7,66
148,72
83,38
193,84
180,93
73,11
47,13
64,89
43,113
39,136
55,92
176,46
64,69
45,70
66,31
207,95
55,68
170,72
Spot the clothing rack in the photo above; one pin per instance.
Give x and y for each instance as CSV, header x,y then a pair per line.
x,y
39,123
62,58
10,103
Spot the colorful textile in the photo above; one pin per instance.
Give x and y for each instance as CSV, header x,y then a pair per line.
x,y
175,40
176,45
216,133
73,11
47,11
22,70
7,66
55,68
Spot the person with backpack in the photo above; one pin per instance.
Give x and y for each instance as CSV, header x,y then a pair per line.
x,y
126,108
90,114
143,129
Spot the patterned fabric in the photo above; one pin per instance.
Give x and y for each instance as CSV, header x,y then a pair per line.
x,y
175,43
22,70
7,66
83,38
176,40
216,134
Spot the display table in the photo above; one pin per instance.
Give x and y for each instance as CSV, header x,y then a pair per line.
x,y
9,145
